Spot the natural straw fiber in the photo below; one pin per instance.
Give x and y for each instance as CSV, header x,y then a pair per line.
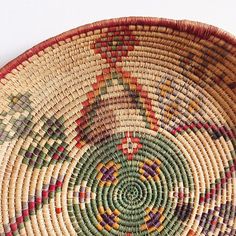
x,y
121,127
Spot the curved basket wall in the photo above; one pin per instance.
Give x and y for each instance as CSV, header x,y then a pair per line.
x,y
121,127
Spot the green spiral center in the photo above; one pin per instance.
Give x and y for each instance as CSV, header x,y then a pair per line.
x,y
113,195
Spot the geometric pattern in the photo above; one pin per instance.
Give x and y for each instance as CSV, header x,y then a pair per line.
x,y
129,145
153,220
123,127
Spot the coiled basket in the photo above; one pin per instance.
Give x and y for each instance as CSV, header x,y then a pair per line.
x,y
121,127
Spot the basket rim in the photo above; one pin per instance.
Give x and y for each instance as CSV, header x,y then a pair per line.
x,y
201,30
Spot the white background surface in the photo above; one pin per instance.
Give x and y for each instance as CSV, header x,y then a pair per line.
x,y
25,23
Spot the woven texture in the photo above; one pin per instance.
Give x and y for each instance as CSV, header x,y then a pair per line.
x,y
121,127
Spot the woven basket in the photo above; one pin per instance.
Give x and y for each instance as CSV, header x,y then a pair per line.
x,y
121,127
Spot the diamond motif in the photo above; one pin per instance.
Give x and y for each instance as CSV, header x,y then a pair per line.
x,y
129,145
